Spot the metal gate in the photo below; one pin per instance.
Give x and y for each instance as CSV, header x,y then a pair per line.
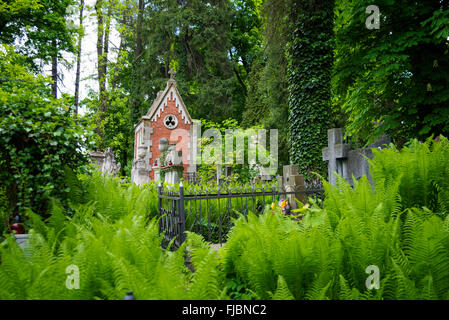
x,y
172,215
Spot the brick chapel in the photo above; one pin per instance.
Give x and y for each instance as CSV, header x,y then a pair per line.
x,y
167,126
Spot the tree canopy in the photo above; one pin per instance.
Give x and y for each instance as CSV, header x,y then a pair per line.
x,y
301,67
394,79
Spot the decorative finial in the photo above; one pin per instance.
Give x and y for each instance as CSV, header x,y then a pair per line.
x,y
172,74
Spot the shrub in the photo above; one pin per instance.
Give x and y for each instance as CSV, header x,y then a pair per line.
x,y
38,136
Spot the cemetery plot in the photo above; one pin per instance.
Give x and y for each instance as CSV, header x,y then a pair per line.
x,y
210,211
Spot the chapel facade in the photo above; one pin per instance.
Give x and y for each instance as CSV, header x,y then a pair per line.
x,y
163,136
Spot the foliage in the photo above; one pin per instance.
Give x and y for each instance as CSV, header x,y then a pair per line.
x,y
193,38
310,58
325,255
266,102
241,172
393,79
113,240
116,127
116,248
3,210
38,137
39,28
424,177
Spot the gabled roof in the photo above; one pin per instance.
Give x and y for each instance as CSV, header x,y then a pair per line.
x,y
161,100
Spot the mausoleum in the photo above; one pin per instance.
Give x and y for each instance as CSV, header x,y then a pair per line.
x,y
163,139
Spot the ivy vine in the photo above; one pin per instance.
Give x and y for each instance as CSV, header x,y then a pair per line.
x,y
310,57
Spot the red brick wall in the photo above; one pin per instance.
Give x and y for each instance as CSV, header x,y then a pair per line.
x,y
161,131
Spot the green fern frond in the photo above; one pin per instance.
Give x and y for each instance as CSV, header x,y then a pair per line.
x,y
282,292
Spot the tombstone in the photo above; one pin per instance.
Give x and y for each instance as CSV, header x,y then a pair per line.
x,y
381,143
173,165
139,172
105,161
336,153
97,158
222,172
293,182
265,174
109,164
345,162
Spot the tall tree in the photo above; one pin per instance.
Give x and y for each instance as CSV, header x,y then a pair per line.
x,y
193,37
246,47
267,100
103,32
136,108
310,60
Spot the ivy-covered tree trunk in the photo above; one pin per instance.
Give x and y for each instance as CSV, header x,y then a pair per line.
x,y
310,57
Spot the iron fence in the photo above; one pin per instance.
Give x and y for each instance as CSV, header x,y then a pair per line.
x,y
210,210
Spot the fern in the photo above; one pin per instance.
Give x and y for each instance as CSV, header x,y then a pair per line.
x,y
282,292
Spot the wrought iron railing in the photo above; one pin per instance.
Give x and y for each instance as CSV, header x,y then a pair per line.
x,y
210,210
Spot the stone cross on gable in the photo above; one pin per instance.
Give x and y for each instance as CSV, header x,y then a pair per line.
x,y
172,74
336,153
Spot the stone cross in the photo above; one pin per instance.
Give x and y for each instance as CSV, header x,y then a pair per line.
x,y
172,74
336,153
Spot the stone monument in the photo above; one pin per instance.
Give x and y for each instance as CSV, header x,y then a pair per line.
x,y
346,162
105,161
173,165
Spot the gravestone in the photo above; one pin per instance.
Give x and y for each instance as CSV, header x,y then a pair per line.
x,y
292,181
110,166
346,162
173,165
105,161
97,158
159,162
336,153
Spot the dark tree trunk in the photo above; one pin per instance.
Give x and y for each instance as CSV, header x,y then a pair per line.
x,y
136,100
78,62
106,43
54,71
100,57
139,46
119,55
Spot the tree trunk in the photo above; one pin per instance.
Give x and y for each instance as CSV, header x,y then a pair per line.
x,y
139,46
106,43
78,62
136,101
100,57
54,71
116,69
